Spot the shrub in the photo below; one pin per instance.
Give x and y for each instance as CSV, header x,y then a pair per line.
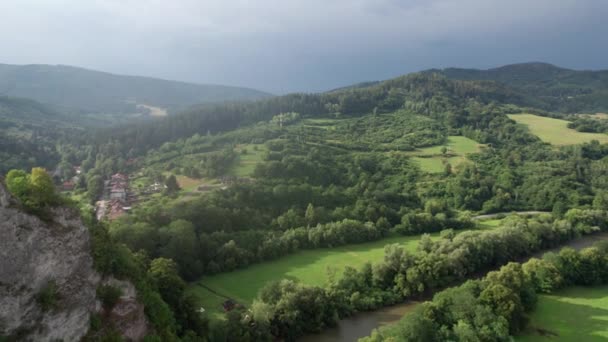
x,y
47,297
109,296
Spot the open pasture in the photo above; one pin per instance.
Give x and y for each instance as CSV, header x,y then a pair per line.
x,y
556,131
431,159
312,267
573,314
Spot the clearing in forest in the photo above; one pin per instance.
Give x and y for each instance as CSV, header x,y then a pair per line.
x,y
153,111
573,314
432,160
249,156
556,131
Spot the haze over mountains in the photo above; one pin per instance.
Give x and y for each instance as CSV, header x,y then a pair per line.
x,y
88,91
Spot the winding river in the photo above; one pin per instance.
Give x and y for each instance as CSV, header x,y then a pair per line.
x,y
361,325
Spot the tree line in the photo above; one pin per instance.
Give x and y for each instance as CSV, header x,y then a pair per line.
x,y
288,310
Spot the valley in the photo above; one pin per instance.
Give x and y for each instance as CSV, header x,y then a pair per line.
x,y
280,217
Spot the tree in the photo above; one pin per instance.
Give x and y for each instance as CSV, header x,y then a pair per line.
x,y
35,190
181,245
94,187
17,182
171,184
163,272
447,170
42,188
310,216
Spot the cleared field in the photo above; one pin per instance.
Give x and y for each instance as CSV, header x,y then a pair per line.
x,y
308,266
246,162
556,131
311,267
186,183
574,314
436,164
430,159
154,111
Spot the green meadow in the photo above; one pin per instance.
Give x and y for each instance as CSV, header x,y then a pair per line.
x,y
573,314
430,159
249,155
556,131
312,267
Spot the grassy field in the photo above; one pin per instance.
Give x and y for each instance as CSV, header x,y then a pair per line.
x,y
574,314
308,266
246,162
556,131
431,160
186,183
311,267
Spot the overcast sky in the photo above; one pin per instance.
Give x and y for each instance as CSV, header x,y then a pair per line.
x,y
300,45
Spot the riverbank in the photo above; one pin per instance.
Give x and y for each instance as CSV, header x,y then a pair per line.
x,y
361,325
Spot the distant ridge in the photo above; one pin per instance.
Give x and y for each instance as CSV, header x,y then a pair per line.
x,y
561,89
84,90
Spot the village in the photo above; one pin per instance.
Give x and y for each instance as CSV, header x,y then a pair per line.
x,y
116,199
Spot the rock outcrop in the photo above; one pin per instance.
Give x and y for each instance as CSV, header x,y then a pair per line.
x,y
127,316
36,255
47,280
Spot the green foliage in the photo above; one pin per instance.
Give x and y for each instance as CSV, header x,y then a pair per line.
x,y
36,190
343,171
94,187
171,184
48,297
552,87
29,132
164,274
109,296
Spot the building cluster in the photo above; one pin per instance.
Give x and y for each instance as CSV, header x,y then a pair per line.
x,y
70,183
116,198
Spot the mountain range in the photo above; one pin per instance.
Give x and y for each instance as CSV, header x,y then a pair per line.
x,y
79,90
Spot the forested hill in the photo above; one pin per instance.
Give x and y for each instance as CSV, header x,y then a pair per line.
x,y
29,131
560,89
87,91
427,94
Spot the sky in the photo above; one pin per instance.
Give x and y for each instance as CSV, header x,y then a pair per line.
x,y
285,46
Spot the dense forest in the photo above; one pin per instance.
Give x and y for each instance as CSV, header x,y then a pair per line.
x,y
281,175
556,88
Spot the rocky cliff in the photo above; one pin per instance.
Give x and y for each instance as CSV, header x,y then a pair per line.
x,y
47,281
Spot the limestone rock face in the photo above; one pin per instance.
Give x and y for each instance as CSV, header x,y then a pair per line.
x,y
128,315
34,254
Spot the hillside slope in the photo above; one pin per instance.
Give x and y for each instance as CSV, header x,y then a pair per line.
x,y
29,132
94,91
561,89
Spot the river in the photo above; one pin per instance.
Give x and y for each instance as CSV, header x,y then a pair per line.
x,y
361,325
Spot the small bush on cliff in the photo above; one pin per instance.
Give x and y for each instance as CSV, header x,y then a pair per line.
x,y
109,296
47,297
35,190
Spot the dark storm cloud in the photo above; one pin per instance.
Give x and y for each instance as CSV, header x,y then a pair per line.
x,y
300,45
